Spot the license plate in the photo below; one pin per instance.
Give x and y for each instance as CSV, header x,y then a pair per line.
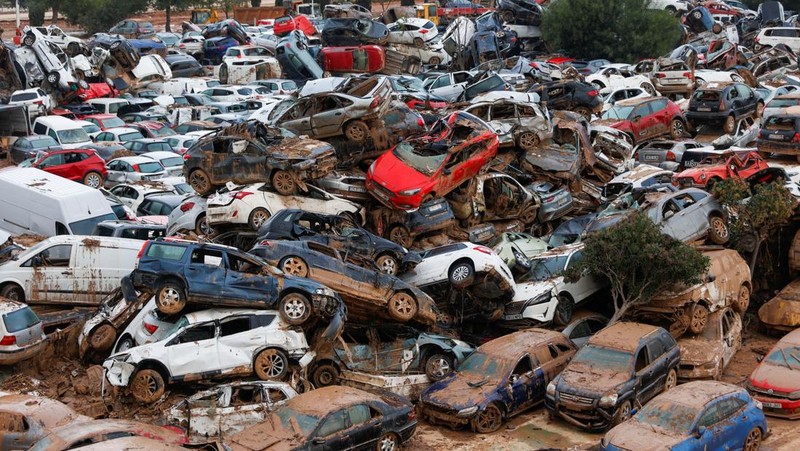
x,y
690,164
776,136
703,109
771,405
651,158
510,317
436,207
562,202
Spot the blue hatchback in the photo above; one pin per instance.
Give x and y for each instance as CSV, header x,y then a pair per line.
x,y
214,48
700,415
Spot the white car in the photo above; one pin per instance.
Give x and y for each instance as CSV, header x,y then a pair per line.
x,y
458,263
90,128
266,40
543,296
119,135
189,216
412,31
180,143
613,95
38,101
246,53
172,162
56,64
132,194
132,169
55,34
192,44
673,6
230,93
254,204
704,76
620,76
148,326
219,342
432,54
236,406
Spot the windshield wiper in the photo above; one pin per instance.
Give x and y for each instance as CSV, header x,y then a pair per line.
x,y
785,360
480,383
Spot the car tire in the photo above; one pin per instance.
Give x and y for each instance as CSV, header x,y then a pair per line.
x,y
294,266
622,414
125,343
387,263
583,111
434,61
400,235
283,183
257,218
730,124
201,226
200,182
677,128
102,338
648,88
753,440
388,442
29,39
438,366
461,274
488,420
742,300
324,375
698,318
419,43
718,230
93,180
147,386
13,292
528,141
402,307
115,45
170,297
563,314
271,364
356,131
53,78
671,381
598,85
295,309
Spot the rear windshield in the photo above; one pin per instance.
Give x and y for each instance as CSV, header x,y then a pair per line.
x,y
706,96
86,226
23,96
777,103
102,230
780,123
21,319
149,168
113,122
166,251
170,162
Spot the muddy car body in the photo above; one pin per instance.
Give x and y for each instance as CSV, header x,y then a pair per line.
x,y
55,62
404,227
579,97
727,283
251,153
502,378
382,421
665,154
22,333
494,196
778,133
367,292
97,432
697,415
646,118
688,215
346,10
774,382
228,408
122,51
27,419
706,355
712,170
520,124
782,312
623,365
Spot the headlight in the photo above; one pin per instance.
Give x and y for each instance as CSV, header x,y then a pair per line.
x,y
609,400
122,357
551,389
463,344
794,395
410,192
468,411
541,299
703,176
324,292
371,170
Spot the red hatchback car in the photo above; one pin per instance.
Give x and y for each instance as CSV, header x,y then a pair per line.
x,y
83,166
776,380
105,121
646,118
286,24
714,169
420,169
362,59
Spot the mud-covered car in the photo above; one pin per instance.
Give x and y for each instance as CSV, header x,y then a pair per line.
x,y
512,245
22,332
502,378
404,227
333,418
181,272
122,51
576,96
335,231
776,380
777,134
782,312
38,414
106,433
725,284
388,349
367,292
228,408
251,153
705,356
491,197
517,123
622,366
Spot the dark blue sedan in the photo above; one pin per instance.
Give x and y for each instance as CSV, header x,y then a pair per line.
x,y
700,415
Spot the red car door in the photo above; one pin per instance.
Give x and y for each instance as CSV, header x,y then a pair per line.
x,y
54,164
640,122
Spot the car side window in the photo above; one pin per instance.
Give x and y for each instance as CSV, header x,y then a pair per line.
x,y
656,349
523,366
581,330
198,333
334,423
233,326
641,360
711,416
56,256
359,414
207,257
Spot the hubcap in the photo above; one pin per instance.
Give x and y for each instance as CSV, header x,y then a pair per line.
x,y
439,367
489,418
93,181
124,345
356,133
283,182
402,304
51,78
199,181
259,218
387,265
720,228
387,444
698,318
461,273
295,308
678,127
272,364
294,267
169,297
325,378
528,140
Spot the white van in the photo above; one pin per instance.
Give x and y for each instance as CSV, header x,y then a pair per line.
x,y
69,134
770,37
70,269
35,201
108,106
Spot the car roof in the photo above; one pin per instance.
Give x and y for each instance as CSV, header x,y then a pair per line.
x,y
118,130
159,154
326,399
221,313
698,394
135,160
623,335
8,306
512,344
634,102
148,140
640,172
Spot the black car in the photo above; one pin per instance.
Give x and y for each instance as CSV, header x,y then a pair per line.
x,y
122,51
576,96
130,229
105,149
144,145
338,232
520,12
507,41
159,204
334,418
27,147
347,32
227,27
724,104
184,66
622,366
83,109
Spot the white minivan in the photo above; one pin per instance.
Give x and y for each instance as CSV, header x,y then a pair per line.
x,y
35,201
69,134
772,36
69,269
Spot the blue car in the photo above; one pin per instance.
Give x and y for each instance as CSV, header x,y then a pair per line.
x,y
214,48
502,378
700,415
148,46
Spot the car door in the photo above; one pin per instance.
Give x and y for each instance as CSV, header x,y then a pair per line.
x,y
53,277
731,335
523,383
657,369
328,435
671,223
54,164
246,282
329,115
297,118
205,273
248,405
715,422
364,427
194,351
237,341
248,162
644,375
586,285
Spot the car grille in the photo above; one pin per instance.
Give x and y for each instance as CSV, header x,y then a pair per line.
x,y
575,398
382,192
684,182
770,393
515,308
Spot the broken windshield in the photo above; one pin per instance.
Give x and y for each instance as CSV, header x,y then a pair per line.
x,y
544,268
427,160
618,112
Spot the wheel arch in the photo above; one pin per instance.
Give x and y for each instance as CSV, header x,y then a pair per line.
x,y
151,364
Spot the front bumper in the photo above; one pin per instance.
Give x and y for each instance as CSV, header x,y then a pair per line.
x,y
391,199
437,415
703,371
779,407
117,372
582,412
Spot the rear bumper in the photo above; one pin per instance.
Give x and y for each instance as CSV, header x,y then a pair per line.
x,y
12,357
764,145
706,116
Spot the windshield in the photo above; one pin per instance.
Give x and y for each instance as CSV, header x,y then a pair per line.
x,y
604,358
483,365
163,131
113,122
43,143
74,136
130,136
408,84
307,423
618,112
149,168
667,415
544,268
172,161
86,226
427,165
183,322
788,357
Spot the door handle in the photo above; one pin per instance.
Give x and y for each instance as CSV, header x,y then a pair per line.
x,y
337,114
67,273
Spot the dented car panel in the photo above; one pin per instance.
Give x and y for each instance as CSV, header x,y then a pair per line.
x,y
28,418
492,197
516,123
706,355
782,313
776,380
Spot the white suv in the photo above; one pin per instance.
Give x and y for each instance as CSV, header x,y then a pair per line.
x,y
209,343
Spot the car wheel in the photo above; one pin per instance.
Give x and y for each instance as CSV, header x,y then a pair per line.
x,y
730,124
257,218
402,307
387,264
115,45
461,274
718,230
743,300
583,111
200,182
147,386
648,88
53,78
103,337
324,375
698,318
488,420
419,43
170,298
528,141
753,440
93,180
125,343
271,364
598,85
676,128
29,39
671,381
623,413
201,226
529,215
400,235
283,183
388,442
295,309
699,82
294,265
356,131
13,292
434,61
438,365
564,309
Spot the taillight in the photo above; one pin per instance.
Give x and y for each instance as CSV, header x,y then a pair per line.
x,y
670,156
187,206
375,101
423,31
8,340
721,104
181,46
141,251
186,155
241,194
412,415
549,199
796,138
150,328
484,250
688,75
592,93
264,243
420,122
534,65
660,75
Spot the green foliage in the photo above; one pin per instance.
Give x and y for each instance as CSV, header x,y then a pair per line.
x,y
100,15
638,261
618,30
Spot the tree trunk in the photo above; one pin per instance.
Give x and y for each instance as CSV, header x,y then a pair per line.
x,y
754,257
56,5
168,10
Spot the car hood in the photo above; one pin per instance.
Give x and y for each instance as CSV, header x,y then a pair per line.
x,y
696,171
613,123
457,393
588,380
266,435
531,290
391,173
642,437
697,351
299,148
778,378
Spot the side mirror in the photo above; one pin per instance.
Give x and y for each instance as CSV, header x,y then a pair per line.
x,y
700,431
319,441
447,171
669,214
